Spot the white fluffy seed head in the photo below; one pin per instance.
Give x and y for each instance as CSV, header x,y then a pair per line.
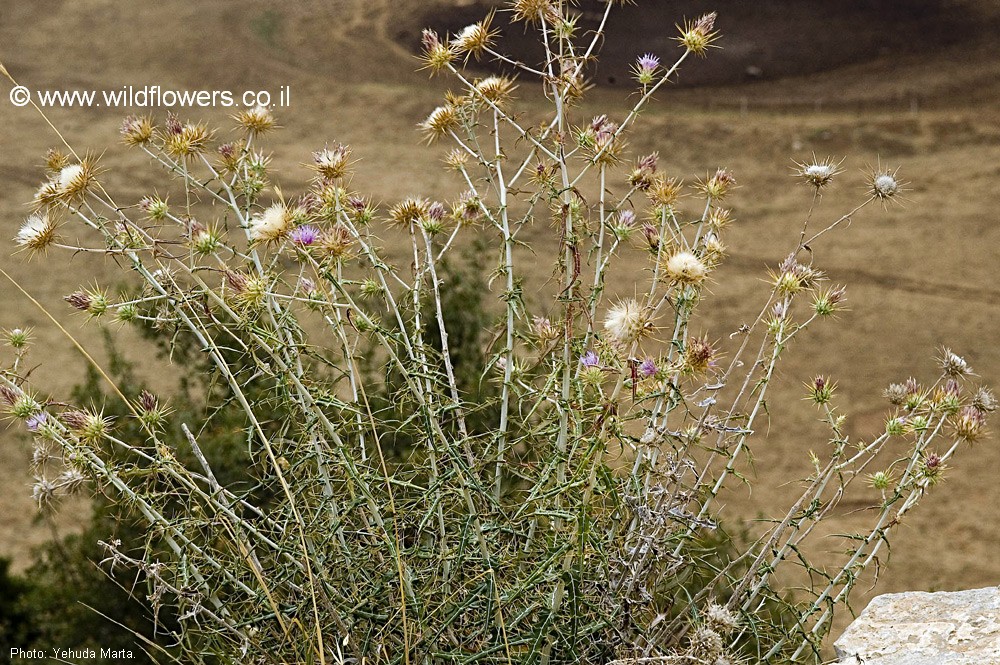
x,y
271,224
686,268
37,232
626,321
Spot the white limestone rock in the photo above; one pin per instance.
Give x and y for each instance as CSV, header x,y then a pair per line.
x,y
919,628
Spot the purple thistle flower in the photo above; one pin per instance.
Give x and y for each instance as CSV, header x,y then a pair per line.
x,y
590,359
626,218
305,235
647,368
649,62
36,422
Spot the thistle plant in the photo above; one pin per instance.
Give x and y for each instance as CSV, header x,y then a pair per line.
x,y
569,523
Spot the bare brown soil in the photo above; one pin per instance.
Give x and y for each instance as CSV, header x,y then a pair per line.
x,y
916,87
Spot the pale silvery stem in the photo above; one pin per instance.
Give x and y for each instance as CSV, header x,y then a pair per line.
x,y
508,248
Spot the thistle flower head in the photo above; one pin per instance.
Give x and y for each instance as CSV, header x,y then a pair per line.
x,y
55,161
191,141
623,223
92,301
627,321
953,364
590,359
36,421
440,122
151,412
408,211
647,368
685,268
644,69
332,163
829,301
644,173
698,35
336,242
717,185
437,55
137,129
17,338
255,121
699,355
271,224
154,207
474,39
74,180
969,423
821,390
305,235
496,89
543,329
884,184
534,11
720,619
818,173
665,191
37,232
89,427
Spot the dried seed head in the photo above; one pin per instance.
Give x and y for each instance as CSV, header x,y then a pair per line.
x,y
37,232
883,184
720,619
44,493
984,400
71,481
627,321
55,161
496,89
685,268
665,191
969,423
699,355
271,224
953,364
705,645
337,242
74,180
440,122
332,163
818,173
408,211
190,141
255,121
137,129
717,185
534,11
476,38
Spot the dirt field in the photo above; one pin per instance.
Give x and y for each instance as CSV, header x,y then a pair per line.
x,y
925,99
